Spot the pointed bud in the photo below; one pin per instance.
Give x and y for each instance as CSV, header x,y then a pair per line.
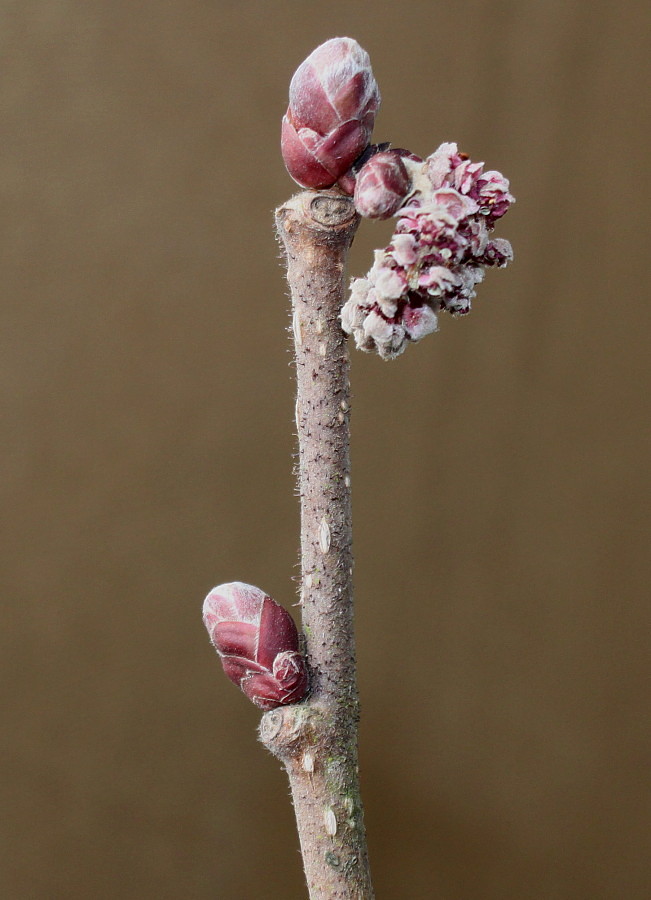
x,y
333,100
382,185
258,644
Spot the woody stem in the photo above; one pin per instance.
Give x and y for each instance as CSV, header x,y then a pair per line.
x,y
317,739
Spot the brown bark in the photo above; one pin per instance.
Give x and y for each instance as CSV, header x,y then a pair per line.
x,y
317,739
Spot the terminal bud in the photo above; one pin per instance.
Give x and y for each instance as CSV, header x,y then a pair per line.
x,y
333,100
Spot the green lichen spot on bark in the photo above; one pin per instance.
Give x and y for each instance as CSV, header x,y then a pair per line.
x,y
332,859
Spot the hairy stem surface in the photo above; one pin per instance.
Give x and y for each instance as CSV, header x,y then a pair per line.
x,y
317,739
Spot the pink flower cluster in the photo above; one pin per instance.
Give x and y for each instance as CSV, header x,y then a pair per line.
x,y
437,254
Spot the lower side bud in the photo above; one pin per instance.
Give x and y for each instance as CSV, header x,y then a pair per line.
x,y
258,644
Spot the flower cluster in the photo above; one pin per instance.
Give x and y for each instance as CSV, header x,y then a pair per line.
x,y
437,254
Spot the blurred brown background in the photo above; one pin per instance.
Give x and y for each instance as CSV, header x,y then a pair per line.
x,y
501,468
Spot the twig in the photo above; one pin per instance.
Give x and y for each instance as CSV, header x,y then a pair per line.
x,y
446,208
317,739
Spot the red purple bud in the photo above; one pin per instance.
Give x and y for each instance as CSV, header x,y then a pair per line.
x,y
333,100
258,644
382,185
